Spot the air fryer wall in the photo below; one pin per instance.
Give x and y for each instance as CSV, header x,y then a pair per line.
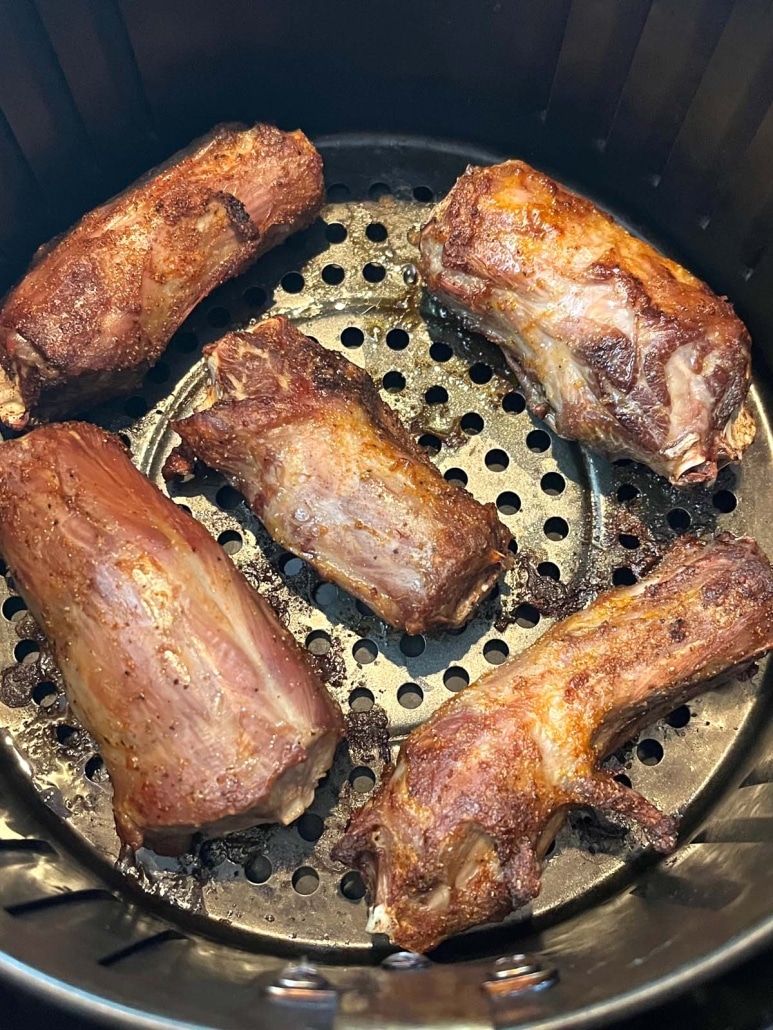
x,y
660,109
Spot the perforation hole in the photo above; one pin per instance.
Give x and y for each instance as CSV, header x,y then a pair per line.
x,y
410,695
508,503
231,541
538,441
440,352
627,492
333,275
497,460
352,886
379,190
526,616
412,645
66,735
255,296
365,651
258,868
136,407
455,475
310,827
326,594
513,403
159,373
556,528
649,751
623,577
376,232
26,652
352,336
553,484
397,339
185,342
624,780
94,769
456,678
724,501
13,607
335,232
679,520
496,652
430,443
393,382
293,282
549,570
290,564
227,498
679,718
471,423
338,192
373,272
480,372
218,317
629,541
318,642
361,699
362,779
45,694
423,194
436,395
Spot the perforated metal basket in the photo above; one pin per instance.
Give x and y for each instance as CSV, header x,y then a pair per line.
x,y
652,112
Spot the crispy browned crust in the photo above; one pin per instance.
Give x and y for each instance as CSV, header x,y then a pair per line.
x,y
298,428
207,714
615,345
98,306
455,834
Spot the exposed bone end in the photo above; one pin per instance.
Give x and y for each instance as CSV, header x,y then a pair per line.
x,y
13,410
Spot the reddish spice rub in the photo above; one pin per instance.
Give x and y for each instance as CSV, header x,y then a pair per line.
x,y
337,480
205,710
455,834
614,345
99,305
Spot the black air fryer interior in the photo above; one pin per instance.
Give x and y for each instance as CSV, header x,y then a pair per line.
x,y
658,110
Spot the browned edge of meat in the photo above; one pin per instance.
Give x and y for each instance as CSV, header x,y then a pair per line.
x,y
615,345
99,304
455,834
336,478
206,712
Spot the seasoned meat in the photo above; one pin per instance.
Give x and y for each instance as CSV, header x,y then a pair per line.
x,y
205,711
99,305
337,480
455,834
614,345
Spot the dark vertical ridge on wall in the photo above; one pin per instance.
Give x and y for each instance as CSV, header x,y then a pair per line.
x,y
105,87
24,214
599,43
727,109
676,44
41,114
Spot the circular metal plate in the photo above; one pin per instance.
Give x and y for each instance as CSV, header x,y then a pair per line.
x,y
580,525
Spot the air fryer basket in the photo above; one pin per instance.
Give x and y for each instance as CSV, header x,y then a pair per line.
x,y
658,110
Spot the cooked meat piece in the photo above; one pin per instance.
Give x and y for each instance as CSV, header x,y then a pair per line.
x,y
614,345
99,305
455,835
337,480
205,711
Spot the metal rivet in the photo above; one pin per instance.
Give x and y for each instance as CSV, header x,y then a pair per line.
x,y
514,973
405,960
301,981
515,965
